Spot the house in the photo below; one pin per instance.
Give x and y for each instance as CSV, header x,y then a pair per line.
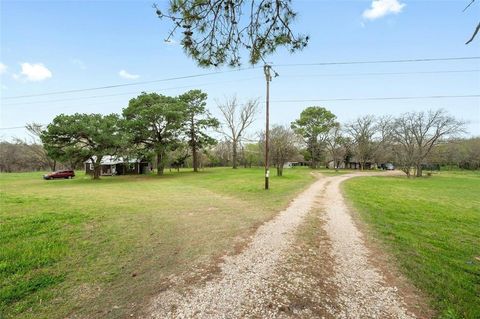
x,y
297,160
117,165
294,164
351,164
289,164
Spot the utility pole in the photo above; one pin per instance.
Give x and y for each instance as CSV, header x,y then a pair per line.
x,y
268,78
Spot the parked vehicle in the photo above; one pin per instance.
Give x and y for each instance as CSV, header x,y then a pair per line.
x,y
387,166
60,174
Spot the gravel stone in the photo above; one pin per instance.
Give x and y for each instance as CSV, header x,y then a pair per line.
x,y
261,280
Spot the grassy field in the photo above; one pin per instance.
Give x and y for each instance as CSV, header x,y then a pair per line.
x,y
432,228
102,248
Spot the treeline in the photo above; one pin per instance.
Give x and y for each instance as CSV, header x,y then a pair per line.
x,y
408,140
152,127
173,132
457,153
21,157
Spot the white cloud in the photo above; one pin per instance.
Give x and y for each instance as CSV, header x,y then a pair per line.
x,y
33,72
381,8
124,74
3,68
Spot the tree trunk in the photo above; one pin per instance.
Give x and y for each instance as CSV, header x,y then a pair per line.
x,y
313,160
53,165
96,172
195,158
279,170
234,154
194,145
97,168
160,164
419,170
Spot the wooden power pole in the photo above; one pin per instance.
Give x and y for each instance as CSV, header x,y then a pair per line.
x,y
268,78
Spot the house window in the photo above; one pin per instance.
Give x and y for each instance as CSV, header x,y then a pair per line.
x,y
91,166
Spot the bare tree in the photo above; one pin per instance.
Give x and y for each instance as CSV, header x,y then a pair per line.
x,y
35,145
417,133
335,143
404,143
368,134
283,146
18,156
237,120
362,131
382,140
222,153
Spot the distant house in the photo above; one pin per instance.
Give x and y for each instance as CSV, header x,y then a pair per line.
x,y
357,165
117,165
294,164
297,160
352,164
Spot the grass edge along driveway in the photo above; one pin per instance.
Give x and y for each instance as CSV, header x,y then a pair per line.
x,y
431,226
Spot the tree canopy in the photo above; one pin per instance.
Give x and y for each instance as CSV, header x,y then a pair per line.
x,y
215,33
314,124
283,146
78,137
415,135
154,123
237,119
198,121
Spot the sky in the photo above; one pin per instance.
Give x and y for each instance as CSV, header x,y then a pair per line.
x,y
49,46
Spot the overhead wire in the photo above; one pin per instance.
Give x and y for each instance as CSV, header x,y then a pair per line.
x,y
244,69
247,79
127,93
124,85
276,65
347,99
378,61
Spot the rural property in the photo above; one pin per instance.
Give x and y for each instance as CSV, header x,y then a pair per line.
x,y
239,159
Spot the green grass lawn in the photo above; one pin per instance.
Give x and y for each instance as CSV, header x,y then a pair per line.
x,y
432,228
103,248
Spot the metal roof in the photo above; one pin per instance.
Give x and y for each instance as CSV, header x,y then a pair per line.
x,y
112,160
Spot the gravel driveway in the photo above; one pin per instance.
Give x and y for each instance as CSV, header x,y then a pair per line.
x,y
249,282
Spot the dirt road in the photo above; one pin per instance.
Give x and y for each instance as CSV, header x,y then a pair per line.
x,y
272,278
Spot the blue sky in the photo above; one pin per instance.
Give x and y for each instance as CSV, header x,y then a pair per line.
x,y
63,45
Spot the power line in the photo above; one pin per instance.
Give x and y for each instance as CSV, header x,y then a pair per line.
x,y
123,85
346,99
125,93
243,69
383,73
247,79
383,98
379,61
11,128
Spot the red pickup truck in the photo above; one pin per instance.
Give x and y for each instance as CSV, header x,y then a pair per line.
x,y
60,174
